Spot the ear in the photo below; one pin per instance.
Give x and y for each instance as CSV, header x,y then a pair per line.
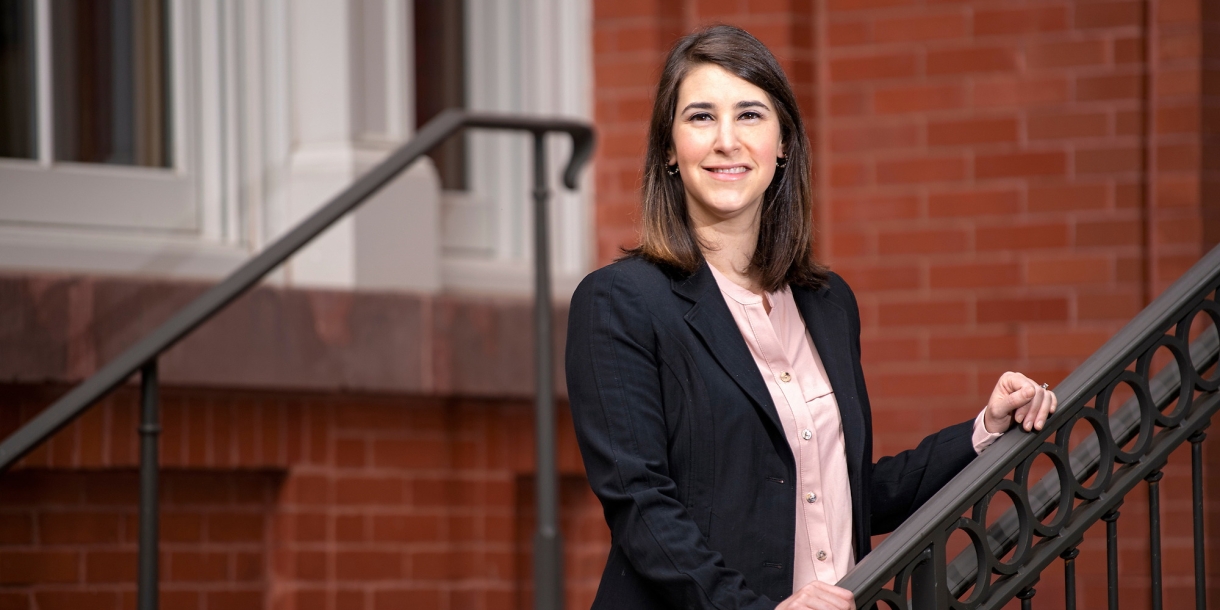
x,y
671,157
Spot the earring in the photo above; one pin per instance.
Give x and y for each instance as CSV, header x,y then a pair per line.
x,y
781,163
672,170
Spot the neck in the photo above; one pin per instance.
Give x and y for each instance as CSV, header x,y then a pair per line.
x,y
729,245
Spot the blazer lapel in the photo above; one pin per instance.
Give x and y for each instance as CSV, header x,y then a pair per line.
x,y
713,322
828,326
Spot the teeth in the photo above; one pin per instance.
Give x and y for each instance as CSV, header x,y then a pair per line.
x,y
731,170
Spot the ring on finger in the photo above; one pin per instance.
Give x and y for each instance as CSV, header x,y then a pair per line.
x,y
1045,385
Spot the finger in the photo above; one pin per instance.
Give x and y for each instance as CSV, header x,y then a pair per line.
x,y
1048,408
1048,400
839,591
807,598
845,603
1009,382
1019,414
1043,408
825,586
1039,406
825,595
820,590
1011,404
1016,381
1034,418
824,600
1042,412
1020,396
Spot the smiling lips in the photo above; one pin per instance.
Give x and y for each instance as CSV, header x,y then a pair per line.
x,y
735,172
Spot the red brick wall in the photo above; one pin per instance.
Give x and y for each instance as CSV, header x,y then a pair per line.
x,y
68,539
988,182
292,502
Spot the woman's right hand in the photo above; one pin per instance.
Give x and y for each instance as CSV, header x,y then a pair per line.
x,y
819,596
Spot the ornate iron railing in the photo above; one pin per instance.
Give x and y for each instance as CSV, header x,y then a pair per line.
x,y
1128,441
142,357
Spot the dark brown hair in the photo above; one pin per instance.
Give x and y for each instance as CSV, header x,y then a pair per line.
x,y
784,253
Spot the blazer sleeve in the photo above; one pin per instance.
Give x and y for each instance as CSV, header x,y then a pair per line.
x,y
900,484
615,395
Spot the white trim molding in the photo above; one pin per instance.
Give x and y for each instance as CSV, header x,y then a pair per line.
x,y
350,110
531,56
178,221
48,193
277,105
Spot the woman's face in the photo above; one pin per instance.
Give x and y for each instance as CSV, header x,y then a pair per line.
x,y
726,141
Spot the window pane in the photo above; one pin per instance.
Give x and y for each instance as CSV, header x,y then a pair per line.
x,y
440,79
18,130
110,60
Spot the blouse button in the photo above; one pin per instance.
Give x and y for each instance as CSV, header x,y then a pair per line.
x,y
806,434
811,498
821,555
785,377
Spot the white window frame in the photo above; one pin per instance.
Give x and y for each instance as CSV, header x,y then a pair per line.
x,y
44,191
527,56
198,219
246,169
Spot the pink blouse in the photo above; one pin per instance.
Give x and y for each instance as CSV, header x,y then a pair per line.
x,y
793,372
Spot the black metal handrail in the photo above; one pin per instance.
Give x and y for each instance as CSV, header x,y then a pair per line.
x,y
1084,461
143,355
913,558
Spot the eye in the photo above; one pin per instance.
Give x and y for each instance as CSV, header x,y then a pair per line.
x,y
700,116
750,115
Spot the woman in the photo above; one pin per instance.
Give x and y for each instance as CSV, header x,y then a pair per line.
x,y
714,372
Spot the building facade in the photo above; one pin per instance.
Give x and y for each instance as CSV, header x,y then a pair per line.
x,y
1004,184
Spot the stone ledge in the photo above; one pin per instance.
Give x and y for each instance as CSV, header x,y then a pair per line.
x,y
60,329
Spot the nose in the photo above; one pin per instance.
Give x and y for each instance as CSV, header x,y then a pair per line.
x,y
726,138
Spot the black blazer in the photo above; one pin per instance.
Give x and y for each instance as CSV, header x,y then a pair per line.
x,y
683,446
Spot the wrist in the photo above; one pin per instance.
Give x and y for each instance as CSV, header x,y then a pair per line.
x,y
994,425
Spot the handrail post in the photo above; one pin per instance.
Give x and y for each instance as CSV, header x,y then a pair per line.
x,y
1111,519
1069,577
548,544
1154,535
1196,496
148,585
928,590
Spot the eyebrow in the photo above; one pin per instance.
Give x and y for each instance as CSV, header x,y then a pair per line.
x,y
739,105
